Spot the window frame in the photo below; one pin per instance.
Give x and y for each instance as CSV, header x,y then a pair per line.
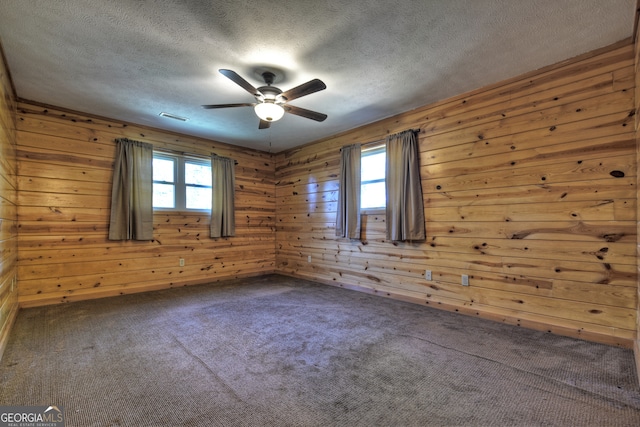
x,y
370,151
179,183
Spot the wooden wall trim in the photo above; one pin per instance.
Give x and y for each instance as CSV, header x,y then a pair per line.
x,y
8,326
634,37
636,30
3,59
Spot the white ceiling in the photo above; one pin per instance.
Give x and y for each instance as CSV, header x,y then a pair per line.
x,y
132,59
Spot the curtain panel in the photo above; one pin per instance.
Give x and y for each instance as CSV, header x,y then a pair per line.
x,y
405,208
131,216
223,223
348,214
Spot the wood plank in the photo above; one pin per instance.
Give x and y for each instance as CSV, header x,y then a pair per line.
x,y
601,231
464,175
597,210
54,143
621,188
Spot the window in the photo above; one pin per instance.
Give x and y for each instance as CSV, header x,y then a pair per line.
x,y
372,191
181,182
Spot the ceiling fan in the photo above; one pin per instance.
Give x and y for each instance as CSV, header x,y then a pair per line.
x,y
271,103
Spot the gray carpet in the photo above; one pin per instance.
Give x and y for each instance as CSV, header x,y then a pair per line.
x,y
277,351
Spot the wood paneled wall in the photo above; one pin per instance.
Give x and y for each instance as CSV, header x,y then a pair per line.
x,y
65,162
529,188
8,211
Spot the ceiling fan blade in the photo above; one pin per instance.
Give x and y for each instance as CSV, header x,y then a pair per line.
x,y
209,107
307,88
302,112
235,77
264,124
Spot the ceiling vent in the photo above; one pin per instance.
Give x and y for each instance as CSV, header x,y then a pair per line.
x,y
173,116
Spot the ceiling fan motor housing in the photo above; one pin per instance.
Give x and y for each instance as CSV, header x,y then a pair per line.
x,y
270,93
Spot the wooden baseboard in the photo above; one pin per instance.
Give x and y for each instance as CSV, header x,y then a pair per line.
x,y
4,334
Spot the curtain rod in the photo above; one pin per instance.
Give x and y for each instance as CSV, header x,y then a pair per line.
x,y
234,161
184,153
384,139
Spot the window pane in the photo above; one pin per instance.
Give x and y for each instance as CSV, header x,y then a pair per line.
x,y
372,195
181,183
163,170
373,169
163,195
197,174
372,166
199,198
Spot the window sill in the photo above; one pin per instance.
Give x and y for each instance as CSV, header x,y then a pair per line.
x,y
373,211
180,212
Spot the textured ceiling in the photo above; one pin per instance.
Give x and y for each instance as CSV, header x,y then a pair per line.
x,y
132,59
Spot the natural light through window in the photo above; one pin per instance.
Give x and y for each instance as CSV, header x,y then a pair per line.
x,y
372,191
164,183
181,183
197,179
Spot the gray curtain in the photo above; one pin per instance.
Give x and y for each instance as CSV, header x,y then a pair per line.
x,y
405,208
348,214
223,223
132,192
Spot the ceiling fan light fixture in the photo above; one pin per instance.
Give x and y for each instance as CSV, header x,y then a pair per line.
x,y
269,111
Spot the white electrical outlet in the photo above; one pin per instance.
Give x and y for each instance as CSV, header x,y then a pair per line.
x,y
465,280
427,274
181,262
309,258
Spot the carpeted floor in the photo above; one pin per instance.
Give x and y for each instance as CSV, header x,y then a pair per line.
x,y
277,351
